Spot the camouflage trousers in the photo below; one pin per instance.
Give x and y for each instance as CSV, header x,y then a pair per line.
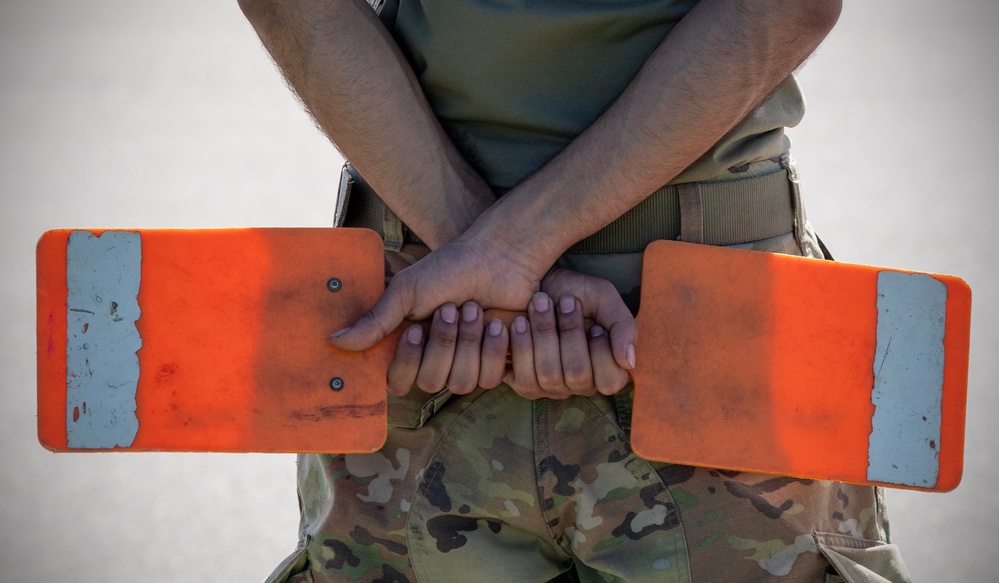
x,y
490,487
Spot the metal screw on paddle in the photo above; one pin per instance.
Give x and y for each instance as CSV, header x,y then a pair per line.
x,y
335,285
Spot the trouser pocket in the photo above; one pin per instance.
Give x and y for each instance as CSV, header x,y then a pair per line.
x,y
859,560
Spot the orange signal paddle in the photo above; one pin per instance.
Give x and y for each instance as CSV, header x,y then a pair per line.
x,y
786,365
217,340
207,340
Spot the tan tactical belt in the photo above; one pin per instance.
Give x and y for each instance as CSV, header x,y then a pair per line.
x,y
715,213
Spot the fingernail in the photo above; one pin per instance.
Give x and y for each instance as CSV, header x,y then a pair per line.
x,y
541,302
469,312
566,304
520,324
495,327
340,333
596,331
414,335
449,313
629,353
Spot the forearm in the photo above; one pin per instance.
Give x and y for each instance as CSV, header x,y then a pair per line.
x,y
719,63
354,81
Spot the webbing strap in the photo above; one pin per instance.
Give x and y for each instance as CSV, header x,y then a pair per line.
x,y
731,212
691,212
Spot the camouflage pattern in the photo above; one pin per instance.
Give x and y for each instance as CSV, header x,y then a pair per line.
x,y
491,487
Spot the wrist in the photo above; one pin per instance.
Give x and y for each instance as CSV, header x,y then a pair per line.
x,y
464,209
514,243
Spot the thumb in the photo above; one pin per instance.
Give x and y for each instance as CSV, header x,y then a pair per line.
x,y
377,323
623,337
615,317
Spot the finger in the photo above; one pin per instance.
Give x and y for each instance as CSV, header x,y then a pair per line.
x,y
544,334
465,369
623,331
603,304
406,364
523,378
623,336
384,317
438,354
492,366
608,377
573,346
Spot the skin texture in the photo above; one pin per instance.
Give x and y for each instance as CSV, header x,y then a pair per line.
x,y
720,62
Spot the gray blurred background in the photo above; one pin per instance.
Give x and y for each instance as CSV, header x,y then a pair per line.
x,y
169,114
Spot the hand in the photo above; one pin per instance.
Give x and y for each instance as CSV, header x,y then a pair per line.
x,y
460,271
460,353
553,353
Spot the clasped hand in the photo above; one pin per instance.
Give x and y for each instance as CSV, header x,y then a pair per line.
x,y
577,337
553,351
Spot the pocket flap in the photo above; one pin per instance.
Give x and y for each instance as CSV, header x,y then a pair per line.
x,y
413,410
293,569
861,560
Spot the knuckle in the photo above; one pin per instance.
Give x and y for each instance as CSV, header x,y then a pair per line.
x,y
523,384
603,286
608,288
578,378
372,319
444,339
559,394
430,383
490,381
570,323
470,336
399,389
544,325
549,378
461,382
610,385
606,387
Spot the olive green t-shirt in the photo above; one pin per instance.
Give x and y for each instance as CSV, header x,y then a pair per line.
x,y
514,81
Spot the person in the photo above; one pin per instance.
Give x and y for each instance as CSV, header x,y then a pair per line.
x,y
519,156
